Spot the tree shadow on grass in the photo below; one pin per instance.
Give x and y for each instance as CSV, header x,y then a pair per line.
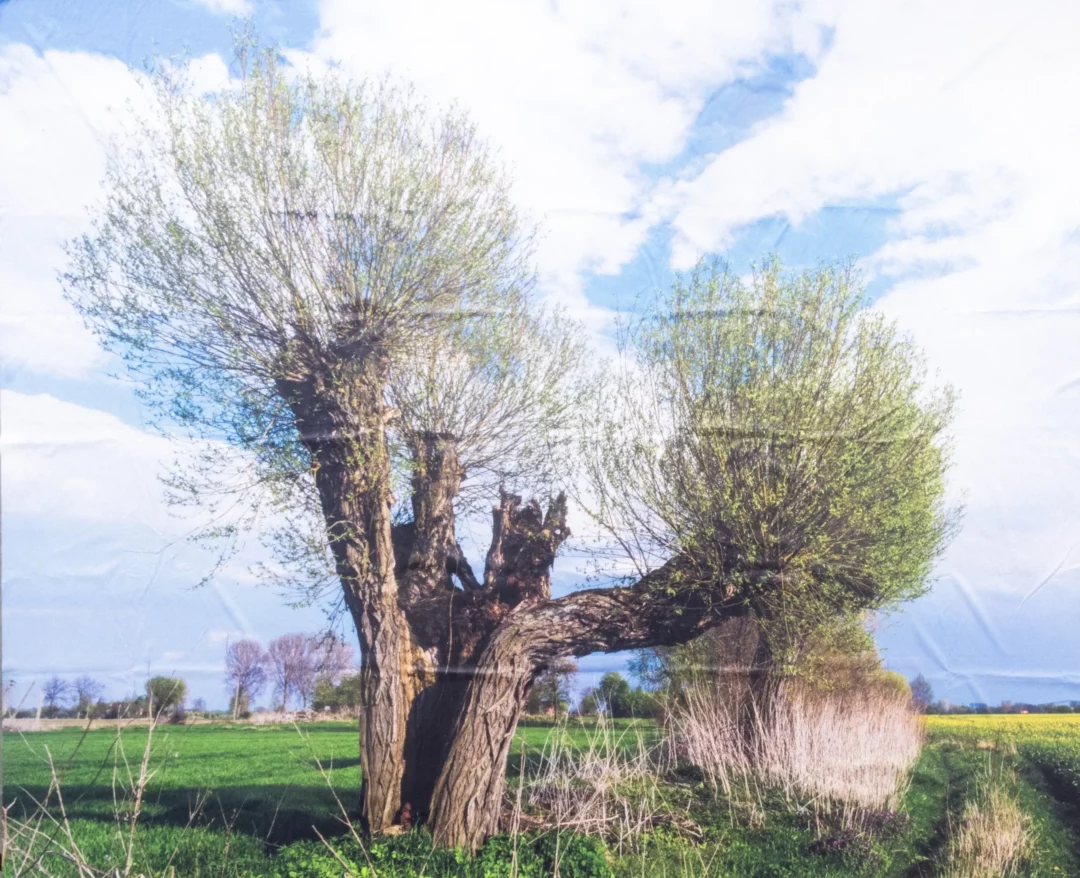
x,y
534,760
331,765
275,814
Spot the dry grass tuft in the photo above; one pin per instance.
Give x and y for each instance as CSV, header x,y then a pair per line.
x,y
993,838
847,753
609,786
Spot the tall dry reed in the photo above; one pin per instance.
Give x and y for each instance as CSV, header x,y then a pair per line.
x,y
993,837
601,781
846,752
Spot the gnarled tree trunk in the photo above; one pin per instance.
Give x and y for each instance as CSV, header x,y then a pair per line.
x,y
342,423
468,797
448,658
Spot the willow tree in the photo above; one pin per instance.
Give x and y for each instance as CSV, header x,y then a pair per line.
x,y
330,287
785,434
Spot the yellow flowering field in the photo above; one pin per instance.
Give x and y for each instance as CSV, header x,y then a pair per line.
x,y
1049,740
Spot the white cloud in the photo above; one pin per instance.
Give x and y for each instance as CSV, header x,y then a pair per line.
x,y
226,635
208,73
227,7
961,112
60,112
580,98
99,471
57,112
957,104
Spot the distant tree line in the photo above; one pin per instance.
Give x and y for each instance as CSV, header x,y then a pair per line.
x,y
82,698
304,670
616,698
922,696
552,693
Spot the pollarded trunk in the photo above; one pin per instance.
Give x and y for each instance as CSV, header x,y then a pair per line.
x,y
468,797
761,689
524,542
428,734
445,666
341,420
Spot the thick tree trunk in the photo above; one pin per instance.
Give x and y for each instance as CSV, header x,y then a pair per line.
x,y
468,796
524,543
467,802
761,689
446,670
342,422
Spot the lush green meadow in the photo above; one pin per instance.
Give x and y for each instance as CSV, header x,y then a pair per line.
x,y
1046,746
1047,743
265,802
234,799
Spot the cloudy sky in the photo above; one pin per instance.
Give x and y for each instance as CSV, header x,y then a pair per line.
x,y
934,142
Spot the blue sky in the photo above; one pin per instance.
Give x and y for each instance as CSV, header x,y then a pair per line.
x,y
931,142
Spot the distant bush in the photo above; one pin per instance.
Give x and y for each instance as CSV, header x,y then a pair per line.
x,y
343,697
165,693
129,708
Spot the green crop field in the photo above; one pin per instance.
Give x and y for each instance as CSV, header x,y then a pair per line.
x,y
266,803
261,789
1042,753
1048,744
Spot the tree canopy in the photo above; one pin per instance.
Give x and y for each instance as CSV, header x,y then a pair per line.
x,y
777,436
297,235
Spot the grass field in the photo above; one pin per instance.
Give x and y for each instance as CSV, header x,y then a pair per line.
x,y
266,803
1048,744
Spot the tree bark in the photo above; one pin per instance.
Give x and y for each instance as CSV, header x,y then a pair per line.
x,y
446,670
468,796
456,625
761,690
342,422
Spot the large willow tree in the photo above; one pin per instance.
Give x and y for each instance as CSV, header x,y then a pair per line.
x,y
329,286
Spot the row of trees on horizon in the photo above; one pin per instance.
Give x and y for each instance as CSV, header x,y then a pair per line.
x,y
318,672
304,670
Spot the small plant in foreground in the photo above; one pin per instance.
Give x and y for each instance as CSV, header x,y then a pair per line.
x,y
993,837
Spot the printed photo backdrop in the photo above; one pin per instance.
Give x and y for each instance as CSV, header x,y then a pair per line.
x,y
348,349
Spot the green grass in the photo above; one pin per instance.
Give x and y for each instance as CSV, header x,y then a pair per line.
x,y
262,779
264,783
1042,751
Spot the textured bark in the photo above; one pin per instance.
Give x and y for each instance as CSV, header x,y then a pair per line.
x,y
343,425
468,795
455,627
762,687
